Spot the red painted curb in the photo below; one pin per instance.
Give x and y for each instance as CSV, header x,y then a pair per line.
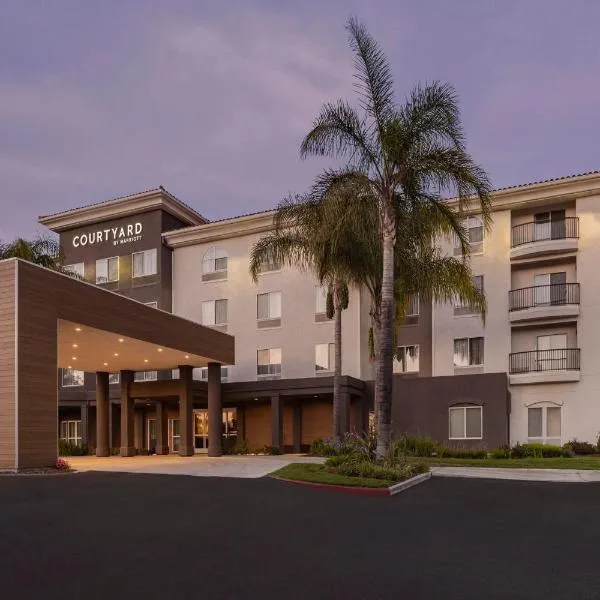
x,y
345,489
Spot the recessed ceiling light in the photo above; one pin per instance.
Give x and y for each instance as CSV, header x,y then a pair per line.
x,y
75,346
73,358
77,328
145,360
116,354
160,349
106,364
121,340
69,367
187,355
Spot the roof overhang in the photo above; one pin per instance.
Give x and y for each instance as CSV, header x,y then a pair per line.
x,y
125,206
524,196
219,230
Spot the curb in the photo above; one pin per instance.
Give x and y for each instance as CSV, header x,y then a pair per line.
x,y
362,491
408,483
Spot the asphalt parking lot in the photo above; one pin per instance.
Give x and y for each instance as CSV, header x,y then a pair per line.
x,y
113,535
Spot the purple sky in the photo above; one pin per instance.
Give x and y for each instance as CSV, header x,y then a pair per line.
x,y
211,98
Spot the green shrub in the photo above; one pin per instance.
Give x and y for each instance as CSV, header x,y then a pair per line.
x,y
501,452
66,448
372,470
240,447
270,450
415,446
538,451
580,448
463,453
322,448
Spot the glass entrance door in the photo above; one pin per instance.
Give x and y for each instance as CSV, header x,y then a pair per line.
x,y
200,431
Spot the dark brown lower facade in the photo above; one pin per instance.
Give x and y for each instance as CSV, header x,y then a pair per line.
x,y
470,411
284,414
460,411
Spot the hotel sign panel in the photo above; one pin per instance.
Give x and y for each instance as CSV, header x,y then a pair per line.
x,y
115,236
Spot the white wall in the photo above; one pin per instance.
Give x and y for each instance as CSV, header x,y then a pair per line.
x,y
298,333
580,401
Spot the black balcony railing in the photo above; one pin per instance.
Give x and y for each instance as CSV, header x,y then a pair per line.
x,y
560,359
550,230
554,294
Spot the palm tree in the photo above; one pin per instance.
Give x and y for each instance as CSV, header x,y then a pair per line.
x,y
302,237
400,157
42,250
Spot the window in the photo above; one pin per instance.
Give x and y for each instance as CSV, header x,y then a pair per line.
x,y
267,267
107,270
76,269
174,435
465,422
72,378
550,225
544,424
320,303
324,357
153,304
268,309
468,352
462,308
70,431
214,264
114,378
551,352
214,312
201,374
229,422
268,362
145,376
474,230
550,288
412,307
144,263
407,359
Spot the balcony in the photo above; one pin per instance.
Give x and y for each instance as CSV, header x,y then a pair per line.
x,y
557,300
538,239
544,366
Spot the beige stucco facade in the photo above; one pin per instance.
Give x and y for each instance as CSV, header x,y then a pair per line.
x,y
515,253
298,332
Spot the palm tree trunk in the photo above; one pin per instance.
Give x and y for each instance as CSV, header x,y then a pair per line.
x,y
384,377
337,374
376,356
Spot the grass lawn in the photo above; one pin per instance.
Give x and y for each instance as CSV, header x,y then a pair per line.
x,y
577,462
317,474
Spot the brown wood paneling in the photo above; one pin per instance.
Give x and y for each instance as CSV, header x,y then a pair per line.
x,y
317,421
43,298
7,364
258,425
86,304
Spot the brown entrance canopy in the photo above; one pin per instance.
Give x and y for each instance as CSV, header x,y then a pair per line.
x,y
50,320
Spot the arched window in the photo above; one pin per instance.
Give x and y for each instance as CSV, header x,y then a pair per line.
x,y
214,264
544,422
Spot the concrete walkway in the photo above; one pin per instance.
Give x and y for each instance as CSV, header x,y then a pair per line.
x,y
258,466
556,475
196,466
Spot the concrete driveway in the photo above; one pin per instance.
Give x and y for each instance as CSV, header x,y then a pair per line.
x,y
196,466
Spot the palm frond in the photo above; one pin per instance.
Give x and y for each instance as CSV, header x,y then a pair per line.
x,y
374,82
339,132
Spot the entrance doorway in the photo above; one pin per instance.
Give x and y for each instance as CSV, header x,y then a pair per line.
x,y
200,431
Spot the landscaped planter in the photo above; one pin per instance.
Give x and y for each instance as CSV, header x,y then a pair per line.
x,y
364,491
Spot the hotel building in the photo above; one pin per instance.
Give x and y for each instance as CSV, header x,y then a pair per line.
x,y
525,373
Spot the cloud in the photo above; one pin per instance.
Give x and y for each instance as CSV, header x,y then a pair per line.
x,y
214,109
